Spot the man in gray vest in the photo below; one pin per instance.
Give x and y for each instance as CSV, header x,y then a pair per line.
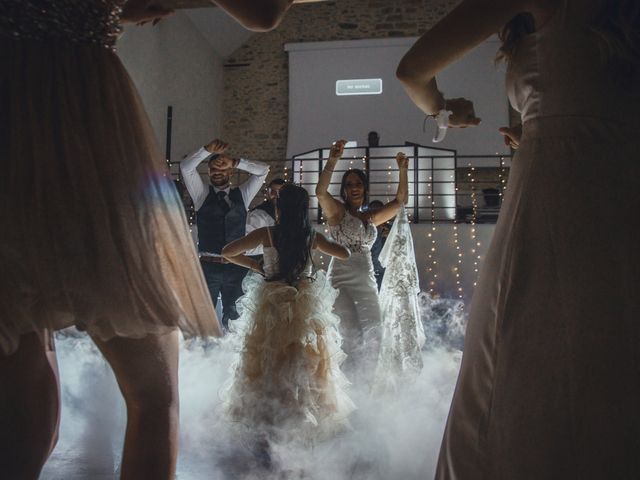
x,y
221,213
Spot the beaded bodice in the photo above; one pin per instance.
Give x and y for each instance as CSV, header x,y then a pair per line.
x,y
353,234
75,21
270,259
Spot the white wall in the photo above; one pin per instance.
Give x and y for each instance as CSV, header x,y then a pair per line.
x,y
173,64
318,116
223,32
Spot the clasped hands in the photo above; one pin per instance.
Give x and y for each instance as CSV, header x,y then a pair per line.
x,y
223,162
463,115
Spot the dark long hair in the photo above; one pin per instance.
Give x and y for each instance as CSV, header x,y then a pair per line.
x,y
365,182
293,235
616,28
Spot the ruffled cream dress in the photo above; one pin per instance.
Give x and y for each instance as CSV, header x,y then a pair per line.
x,y
287,382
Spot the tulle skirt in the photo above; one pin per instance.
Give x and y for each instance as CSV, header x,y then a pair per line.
x,y
93,232
287,382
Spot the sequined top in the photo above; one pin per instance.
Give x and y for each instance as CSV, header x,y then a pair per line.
x,y
75,21
353,234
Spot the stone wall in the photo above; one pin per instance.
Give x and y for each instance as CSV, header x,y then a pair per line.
x,y
256,93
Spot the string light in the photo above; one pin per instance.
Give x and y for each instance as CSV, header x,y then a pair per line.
x,y
388,195
301,172
502,176
475,250
324,222
431,252
457,269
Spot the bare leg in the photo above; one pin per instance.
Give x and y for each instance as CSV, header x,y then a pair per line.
x,y
147,372
29,408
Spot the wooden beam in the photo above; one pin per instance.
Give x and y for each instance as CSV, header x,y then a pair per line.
x,y
181,4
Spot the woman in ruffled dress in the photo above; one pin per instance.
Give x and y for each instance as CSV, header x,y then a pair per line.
x,y
287,384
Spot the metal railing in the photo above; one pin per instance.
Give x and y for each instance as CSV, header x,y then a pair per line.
x,y
443,187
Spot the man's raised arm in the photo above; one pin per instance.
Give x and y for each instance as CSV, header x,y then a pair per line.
x,y
259,172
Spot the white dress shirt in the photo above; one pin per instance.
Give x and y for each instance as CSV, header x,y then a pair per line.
x,y
258,218
199,189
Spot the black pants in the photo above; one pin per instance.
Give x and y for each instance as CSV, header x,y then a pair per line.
x,y
226,280
379,276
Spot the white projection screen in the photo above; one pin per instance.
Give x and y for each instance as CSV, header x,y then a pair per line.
x,y
317,115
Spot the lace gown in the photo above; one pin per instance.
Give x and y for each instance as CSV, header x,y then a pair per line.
x,y
549,385
357,305
93,233
402,331
287,382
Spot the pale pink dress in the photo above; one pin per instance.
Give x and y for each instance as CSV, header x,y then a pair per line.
x,y
549,386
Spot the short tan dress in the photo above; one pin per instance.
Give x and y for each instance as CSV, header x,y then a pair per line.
x,y
93,233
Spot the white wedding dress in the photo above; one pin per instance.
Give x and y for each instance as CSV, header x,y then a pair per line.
x,y
402,331
357,304
287,383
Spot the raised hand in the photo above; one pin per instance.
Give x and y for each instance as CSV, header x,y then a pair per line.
x,y
143,11
403,160
337,149
216,146
512,135
463,114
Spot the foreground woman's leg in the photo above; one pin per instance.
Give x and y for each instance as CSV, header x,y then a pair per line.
x,y
29,408
147,372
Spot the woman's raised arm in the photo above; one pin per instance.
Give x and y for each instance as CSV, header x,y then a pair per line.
x,y
331,207
390,210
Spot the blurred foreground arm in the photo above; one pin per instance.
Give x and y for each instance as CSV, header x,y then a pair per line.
x,y
467,26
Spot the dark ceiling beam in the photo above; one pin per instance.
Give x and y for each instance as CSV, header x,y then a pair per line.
x,y
180,4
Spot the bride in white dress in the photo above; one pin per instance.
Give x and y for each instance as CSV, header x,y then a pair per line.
x,y
357,305
287,384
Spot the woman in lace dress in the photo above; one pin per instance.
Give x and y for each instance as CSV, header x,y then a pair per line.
x,y
549,384
287,384
93,233
357,304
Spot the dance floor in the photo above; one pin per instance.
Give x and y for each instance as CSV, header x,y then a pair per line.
x,y
394,436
